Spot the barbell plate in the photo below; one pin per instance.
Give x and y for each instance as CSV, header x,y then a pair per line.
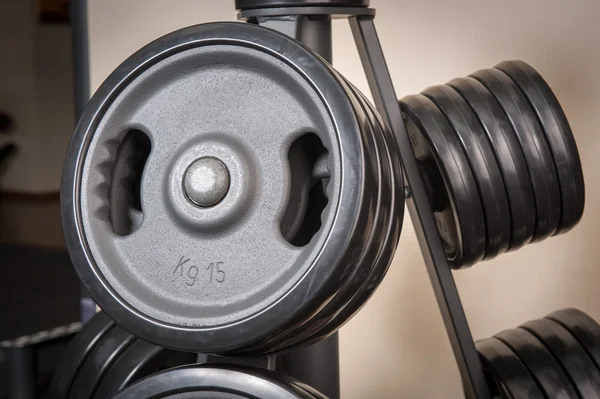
x,y
576,363
540,363
212,381
77,352
377,250
227,276
559,135
98,362
507,370
461,223
139,360
483,163
534,145
509,156
392,184
585,329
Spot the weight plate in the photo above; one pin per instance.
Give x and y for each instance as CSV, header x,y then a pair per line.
x,y
310,391
560,138
540,362
507,371
78,350
214,381
393,193
98,362
534,145
509,156
576,363
377,249
365,259
584,329
458,213
483,164
139,360
227,277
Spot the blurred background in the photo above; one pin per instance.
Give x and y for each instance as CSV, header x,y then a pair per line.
x,y
397,345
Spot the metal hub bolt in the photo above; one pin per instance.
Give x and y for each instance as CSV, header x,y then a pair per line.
x,y
206,181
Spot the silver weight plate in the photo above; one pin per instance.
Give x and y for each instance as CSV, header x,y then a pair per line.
x,y
182,244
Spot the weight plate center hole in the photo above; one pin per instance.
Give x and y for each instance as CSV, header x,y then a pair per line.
x,y
124,194
308,184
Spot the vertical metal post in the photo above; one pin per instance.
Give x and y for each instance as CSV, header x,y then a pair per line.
x,y
440,274
81,95
21,372
316,365
80,54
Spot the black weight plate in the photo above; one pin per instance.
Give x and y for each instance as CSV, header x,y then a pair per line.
x,y
79,348
540,362
392,190
534,145
560,138
139,360
575,361
507,370
584,329
483,163
461,225
98,362
214,381
509,156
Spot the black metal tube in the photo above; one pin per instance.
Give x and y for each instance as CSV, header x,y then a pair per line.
x,y
440,274
21,372
81,95
315,33
316,365
80,54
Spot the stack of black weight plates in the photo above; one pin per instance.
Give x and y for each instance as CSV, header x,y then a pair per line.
x,y
498,159
557,357
103,359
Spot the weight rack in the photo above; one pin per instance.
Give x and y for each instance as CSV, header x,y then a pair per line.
x,y
293,18
296,18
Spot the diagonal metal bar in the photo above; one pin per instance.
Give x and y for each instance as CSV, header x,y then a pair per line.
x,y
440,274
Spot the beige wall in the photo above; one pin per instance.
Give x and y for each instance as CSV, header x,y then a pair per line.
x,y
397,347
